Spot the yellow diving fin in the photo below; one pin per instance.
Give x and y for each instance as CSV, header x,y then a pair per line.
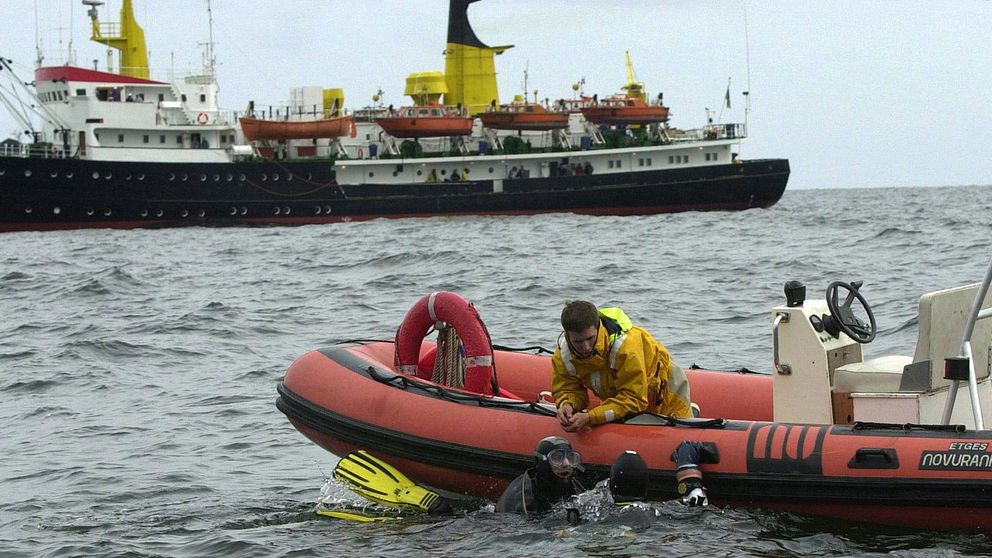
x,y
355,515
383,484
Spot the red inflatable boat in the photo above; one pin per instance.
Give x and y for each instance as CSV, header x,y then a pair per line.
x,y
474,440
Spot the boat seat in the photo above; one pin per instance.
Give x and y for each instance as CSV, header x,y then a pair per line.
x,y
942,317
877,375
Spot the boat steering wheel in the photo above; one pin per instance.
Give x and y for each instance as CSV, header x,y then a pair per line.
x,y
844,317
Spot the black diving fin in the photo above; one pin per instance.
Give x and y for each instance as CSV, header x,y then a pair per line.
x,y
383,484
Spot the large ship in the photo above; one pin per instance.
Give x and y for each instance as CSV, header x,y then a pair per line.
x,y
119,149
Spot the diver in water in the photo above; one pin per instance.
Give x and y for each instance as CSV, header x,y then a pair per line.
x,y
629,476
551,480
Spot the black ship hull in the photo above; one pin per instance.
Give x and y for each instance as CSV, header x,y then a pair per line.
x,y
52,194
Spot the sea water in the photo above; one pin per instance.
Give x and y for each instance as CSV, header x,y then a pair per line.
x,y
139,367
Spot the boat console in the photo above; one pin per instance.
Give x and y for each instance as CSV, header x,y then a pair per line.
x,y
822,377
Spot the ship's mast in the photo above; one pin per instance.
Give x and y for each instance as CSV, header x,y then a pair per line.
x,y
37,37
211,62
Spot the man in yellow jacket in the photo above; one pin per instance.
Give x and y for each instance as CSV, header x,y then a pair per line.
x,y
621,363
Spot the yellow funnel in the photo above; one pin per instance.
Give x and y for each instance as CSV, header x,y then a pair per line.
x,y
127,36
469,65
333,102
425,87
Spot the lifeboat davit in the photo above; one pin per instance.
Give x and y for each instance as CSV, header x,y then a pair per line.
x,y
624,110
276,130
474,440
426,121
524,116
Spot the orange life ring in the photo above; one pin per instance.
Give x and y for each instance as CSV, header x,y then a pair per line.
x,y
448,307
202,118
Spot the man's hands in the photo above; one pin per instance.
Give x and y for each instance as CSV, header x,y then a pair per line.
x,y
571,421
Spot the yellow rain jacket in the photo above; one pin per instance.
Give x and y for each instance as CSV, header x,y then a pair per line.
x,y
630,372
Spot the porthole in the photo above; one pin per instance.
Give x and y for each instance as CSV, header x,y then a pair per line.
x,y
286,210
27,173
316,210
89,211
395,173
107,176
185,177
244,210
490,170
371,174
128,177
107,212
265,177
3,172
67,175
96,175
216,178
309,176
201,213
275,177
141,177
54,174
158,213
144,213
203,178
56,210
276,210
172,176
420,173
184,213
241,178
230,178
27,210
327,209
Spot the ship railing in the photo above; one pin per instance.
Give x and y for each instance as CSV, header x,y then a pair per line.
x,y
709,132
35,151
110,30
296,112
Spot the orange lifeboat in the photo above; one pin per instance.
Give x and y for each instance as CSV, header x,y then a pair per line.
x,y
257,129
426,121
524,116
624,109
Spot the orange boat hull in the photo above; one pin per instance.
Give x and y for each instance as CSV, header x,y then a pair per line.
x,y
350,398
279,130
407,127
524,121
623,115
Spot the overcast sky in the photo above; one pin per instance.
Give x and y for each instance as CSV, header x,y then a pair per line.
x,y
854,94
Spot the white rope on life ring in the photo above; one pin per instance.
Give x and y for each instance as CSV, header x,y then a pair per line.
x,y
202,118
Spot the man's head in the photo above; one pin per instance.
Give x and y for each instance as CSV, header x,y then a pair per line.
x,y
554,454
629,478
580,320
